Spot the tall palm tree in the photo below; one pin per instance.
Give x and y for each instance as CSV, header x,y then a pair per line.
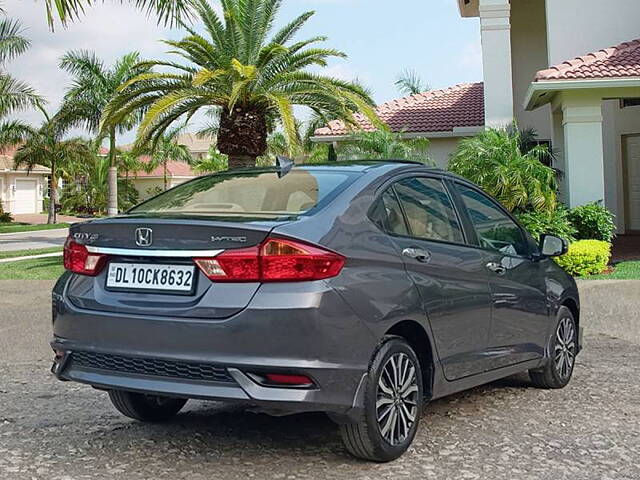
x,y
167,149
254,79
94,86
15,95
45,146
410,83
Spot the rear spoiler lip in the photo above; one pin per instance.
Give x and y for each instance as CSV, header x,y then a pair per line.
x,y
137,252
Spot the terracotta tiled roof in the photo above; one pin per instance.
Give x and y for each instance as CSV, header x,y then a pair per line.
x,y
620,61
434,111
6,162
174,169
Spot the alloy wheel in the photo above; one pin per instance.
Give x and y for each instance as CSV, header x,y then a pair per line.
x,y
396,398
565,347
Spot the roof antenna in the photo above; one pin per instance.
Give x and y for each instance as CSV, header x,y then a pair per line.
x,y
284,165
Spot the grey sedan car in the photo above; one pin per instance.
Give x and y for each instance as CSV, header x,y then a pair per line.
x,y
361,289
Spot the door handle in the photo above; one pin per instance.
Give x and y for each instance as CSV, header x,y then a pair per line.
x,y
417,253
497,268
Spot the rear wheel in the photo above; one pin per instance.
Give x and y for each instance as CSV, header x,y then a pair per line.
x,y
392,405
563,348
146,408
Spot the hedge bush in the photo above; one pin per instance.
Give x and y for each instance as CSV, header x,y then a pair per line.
x,y
555,223
593,222
585,257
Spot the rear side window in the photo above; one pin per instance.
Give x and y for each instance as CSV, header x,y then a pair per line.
x,y
387,214
496,231
428,209
250,194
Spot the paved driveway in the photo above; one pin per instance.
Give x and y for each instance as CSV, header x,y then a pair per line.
x,y
33,240
506,430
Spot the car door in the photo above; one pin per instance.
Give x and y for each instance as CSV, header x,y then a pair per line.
x,y
520,309
448,273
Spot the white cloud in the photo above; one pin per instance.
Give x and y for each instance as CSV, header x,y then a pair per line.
x,y
110,30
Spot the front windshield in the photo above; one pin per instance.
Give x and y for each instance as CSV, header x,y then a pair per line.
x,y
255,194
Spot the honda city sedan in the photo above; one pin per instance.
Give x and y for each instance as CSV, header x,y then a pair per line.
x,y
359,289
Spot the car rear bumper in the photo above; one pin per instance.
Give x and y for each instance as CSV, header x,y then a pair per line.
x,y
219,359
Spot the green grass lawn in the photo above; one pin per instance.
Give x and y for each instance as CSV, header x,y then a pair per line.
x,y
28,227
49,268
622,271
24,253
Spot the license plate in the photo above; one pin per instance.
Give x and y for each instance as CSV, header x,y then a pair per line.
x,y
144,276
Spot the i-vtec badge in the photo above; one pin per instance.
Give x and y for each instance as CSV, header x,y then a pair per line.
x,y
85,238
229,239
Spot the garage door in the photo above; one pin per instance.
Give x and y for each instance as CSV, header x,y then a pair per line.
x,y
25,197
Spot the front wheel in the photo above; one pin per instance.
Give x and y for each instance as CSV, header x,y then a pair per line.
x,y
392,405
146,408
563,348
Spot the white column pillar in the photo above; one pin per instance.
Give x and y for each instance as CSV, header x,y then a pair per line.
x,y
583,148
557,146
495,29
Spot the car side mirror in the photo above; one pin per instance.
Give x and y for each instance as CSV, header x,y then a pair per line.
x,y
552,246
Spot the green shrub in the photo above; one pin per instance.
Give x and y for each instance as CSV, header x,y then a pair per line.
x,y
5,217
593,222
586,257
555,223
519,180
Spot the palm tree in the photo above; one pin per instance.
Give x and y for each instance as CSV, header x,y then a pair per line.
x,y
410,83
253,78
384,145
168,149
46,146
15,95
519,180
94,86
168,12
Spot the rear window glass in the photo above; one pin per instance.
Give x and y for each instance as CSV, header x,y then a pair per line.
x,y
254,194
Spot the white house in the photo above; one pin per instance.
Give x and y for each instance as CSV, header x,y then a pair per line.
x,y
568,68
21,191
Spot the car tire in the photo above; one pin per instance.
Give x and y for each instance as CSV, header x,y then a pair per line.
x,y
563,348
392,408
146,408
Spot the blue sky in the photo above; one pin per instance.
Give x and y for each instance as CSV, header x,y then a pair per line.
x,y
381,37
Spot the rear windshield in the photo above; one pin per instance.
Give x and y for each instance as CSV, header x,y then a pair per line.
x,y
250,194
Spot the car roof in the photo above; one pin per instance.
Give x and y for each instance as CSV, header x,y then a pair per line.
x,y
373,168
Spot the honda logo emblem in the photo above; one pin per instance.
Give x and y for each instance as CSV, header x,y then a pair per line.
x,y
144,237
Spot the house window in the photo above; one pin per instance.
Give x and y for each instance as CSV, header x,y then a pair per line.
x,y
629,102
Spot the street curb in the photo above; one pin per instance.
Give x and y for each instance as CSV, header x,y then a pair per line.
x,y
29,257
34,231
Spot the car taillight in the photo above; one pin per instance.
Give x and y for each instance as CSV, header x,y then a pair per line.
x,y
77,259
276,260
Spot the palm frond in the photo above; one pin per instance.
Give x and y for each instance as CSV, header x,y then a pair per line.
x,y
410,83
12,43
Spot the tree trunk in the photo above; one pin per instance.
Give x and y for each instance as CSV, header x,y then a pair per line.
x,y
112,205
53,195
242,136
164,172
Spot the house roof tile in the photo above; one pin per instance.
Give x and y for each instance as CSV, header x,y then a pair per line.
x,y
621,61
174,169
6,162
434,111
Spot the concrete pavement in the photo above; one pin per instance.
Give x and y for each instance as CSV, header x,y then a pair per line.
x,y
504,430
